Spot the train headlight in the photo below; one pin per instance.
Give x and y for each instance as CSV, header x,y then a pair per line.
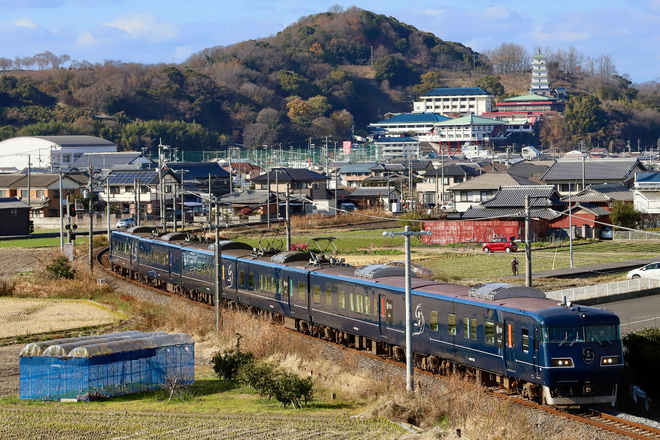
x,y
609,360
561,362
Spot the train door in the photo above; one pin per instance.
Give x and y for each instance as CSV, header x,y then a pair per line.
x,y
535,342
386,316
509,347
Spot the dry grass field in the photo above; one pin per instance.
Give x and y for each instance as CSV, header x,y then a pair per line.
x,y
23,317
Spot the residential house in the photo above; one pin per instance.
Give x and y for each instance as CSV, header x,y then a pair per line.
x,y
646,193
144,188
442,180
386,198
482,188
511,203
573,175
42,192
14,216
300,183
352,175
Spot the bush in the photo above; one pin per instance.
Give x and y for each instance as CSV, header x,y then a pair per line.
x,y
642,355
60,268
227,364
274,382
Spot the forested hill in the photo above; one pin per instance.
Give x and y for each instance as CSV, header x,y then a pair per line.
x,y
324,76
318,77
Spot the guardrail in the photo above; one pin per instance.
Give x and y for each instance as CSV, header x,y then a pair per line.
x,y
636,235
604,290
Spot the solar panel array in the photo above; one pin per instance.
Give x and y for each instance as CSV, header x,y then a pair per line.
x,y
127,178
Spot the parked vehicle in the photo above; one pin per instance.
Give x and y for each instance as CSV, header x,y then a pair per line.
x,y
348,207
126,223
651,270
500,244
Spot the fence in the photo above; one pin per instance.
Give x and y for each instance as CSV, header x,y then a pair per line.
x,y
636,235
604,290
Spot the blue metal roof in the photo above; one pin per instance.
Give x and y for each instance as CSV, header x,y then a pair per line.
x,y
409,118
450,91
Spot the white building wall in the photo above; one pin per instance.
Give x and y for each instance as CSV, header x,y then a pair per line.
x,y
41,153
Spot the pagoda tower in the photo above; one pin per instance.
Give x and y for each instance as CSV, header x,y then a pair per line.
x,y
540,84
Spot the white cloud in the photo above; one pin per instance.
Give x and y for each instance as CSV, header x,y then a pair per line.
x,y
85,39
25,22
144,26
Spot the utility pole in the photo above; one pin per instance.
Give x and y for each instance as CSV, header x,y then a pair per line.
x,y
528,243
218,277
61,214
90,205
408,299
107,204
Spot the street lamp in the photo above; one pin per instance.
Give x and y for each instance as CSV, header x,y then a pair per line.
x,y
409,346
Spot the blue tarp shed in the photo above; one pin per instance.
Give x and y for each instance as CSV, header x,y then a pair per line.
x,y
89,367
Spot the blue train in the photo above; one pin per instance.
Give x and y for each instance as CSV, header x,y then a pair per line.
x,y
498,333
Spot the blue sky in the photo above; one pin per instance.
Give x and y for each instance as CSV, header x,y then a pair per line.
x,y
165,31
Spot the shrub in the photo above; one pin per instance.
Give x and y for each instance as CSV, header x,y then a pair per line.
x,y
274,382
227,364
642,354
60,268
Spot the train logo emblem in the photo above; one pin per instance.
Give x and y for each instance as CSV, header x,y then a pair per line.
x,y
419,316
588,355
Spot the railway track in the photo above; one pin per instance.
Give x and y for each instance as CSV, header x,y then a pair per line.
x,y
594,418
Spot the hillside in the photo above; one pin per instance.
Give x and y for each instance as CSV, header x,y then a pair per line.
x,y
326,75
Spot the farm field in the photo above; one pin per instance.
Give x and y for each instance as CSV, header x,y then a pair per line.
x,y
54,421
23,317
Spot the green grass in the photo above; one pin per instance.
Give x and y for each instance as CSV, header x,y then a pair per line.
x,y
38,242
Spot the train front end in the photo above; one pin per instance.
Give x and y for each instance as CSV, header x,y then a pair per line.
x,y
581,356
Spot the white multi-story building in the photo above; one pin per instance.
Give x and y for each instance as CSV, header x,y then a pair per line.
x,y
455,101
397,148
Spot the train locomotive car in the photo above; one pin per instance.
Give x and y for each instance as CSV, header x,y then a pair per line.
x,y
511,335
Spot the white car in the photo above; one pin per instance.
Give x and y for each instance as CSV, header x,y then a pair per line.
x,y
126,223
651,270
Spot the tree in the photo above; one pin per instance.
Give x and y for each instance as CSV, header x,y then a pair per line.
x,y
430,80
298,110
624,214
509,58
491,84
584,115
394,69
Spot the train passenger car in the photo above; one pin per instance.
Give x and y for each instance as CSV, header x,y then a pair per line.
x,y
512,335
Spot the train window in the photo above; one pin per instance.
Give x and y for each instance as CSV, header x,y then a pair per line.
x,y
433,325
274,282
366,306
250,280
602,333
470,328
302,290
389,311
562,334
328,297
317,294
489,328
241,278
341,299
359,303
509,335
525,340
375,306
451,323
290,284
351,298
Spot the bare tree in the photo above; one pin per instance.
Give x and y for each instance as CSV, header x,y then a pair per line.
x,y
509,58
